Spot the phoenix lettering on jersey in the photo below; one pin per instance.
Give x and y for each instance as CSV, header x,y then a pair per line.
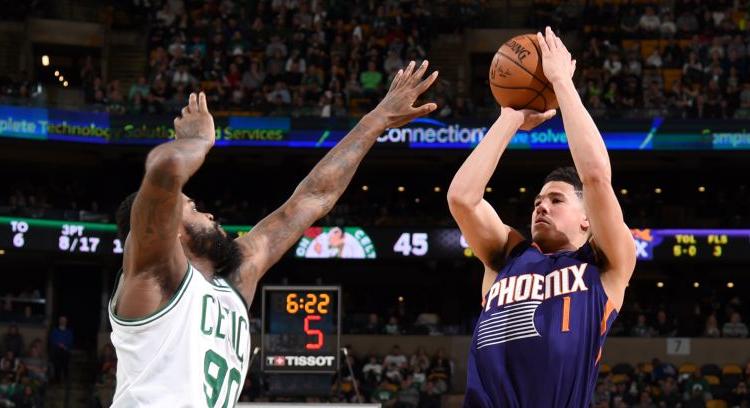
x,y
533,286
223,324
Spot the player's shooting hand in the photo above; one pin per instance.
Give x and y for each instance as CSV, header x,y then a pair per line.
x,y
397,107
196,122
556,60
527,118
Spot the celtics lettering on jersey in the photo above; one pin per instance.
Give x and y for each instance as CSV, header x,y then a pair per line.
x,y
519,296
228,329
193,349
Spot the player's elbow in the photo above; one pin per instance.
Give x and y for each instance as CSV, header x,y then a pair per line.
x,y
166,162
456,200
459,206
596,176
311,207
460,197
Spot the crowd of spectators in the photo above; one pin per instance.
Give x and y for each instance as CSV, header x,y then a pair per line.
x,y
105,377
708,317
398,380
662,384
27,306
19,91
23,371
683,59
316,58
398,322
301,58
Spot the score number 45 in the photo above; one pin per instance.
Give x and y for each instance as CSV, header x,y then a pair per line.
x,y
412,244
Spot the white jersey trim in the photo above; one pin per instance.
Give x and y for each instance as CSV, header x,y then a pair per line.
x,y
158,313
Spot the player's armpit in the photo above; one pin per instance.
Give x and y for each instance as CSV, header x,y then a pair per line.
x,y
487,281
153,260
488,237
611,237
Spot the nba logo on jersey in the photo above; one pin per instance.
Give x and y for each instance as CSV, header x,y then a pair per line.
x,y
542,327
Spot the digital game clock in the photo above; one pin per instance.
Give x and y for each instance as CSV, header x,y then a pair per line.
x,y
301,327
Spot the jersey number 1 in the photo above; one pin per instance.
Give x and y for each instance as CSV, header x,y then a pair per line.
x,y
566,314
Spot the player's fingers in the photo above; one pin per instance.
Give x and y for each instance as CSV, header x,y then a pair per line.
x,y
185,111
559,44
420,73
542,43
408,71
549,114
396,79
550,37
193,102
202,104
424,109
427,83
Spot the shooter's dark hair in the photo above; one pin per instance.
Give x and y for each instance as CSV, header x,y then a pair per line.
x,y
568,175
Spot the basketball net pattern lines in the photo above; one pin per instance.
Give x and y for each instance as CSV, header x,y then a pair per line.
x,y
512,323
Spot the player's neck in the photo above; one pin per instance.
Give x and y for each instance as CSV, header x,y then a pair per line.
x,y
554,248
204,266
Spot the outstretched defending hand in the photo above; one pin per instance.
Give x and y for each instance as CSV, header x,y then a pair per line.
x,y
196,122
527,118
397,107
556,59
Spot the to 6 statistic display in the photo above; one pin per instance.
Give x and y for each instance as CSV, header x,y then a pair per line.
x,y
301,326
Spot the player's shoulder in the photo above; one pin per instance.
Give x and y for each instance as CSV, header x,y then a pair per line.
x,y
515,245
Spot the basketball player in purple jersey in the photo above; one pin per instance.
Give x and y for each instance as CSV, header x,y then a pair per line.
x,y
548,302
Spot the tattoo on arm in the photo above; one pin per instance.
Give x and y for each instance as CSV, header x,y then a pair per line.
x,y
313,198
163,180
331,176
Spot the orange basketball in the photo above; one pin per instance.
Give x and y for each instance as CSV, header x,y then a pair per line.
x,y
516,76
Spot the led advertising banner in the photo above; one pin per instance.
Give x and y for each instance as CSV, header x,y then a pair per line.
x,y
422,133
24,123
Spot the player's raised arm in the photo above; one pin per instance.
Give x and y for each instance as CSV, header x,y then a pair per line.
x,y
479,222
154,262
609,232
318,192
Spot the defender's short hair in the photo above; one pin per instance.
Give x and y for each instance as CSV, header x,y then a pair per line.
x,y
122,217
568,175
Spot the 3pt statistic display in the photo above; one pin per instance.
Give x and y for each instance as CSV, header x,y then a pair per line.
x,y
301,327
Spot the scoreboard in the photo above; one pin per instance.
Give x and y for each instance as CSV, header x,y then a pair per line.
x,y
301,327
687,244
342,242
18,234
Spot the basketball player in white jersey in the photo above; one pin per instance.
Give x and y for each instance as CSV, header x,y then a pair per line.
x,y
179,312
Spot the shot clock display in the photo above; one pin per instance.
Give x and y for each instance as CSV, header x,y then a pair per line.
x,y
301,326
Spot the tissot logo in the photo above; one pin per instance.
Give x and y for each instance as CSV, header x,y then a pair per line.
x,y
300,361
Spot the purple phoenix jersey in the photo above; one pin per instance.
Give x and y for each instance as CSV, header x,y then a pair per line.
x,y
539,337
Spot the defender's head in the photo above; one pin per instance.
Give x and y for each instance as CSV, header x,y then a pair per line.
x,y
559,217
201,237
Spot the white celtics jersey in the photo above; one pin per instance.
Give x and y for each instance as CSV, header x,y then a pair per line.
x,y
193,352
